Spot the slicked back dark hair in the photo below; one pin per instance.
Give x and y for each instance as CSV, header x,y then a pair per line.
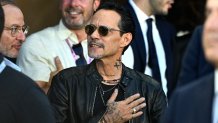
x,y
2,20
126,23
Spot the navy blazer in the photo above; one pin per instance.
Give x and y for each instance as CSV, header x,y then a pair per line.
x,y
194,64
192,103
167,35
21,100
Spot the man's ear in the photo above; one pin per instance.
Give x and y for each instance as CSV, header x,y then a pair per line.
x,y
96,4
126,39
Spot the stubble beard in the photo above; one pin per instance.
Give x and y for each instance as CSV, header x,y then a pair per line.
x,y
74,25
94,55
157,8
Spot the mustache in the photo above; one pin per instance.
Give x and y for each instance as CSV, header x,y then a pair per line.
x,y
95,42
19,43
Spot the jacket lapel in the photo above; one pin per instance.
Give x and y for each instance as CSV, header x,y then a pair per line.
x,y
205,101
138,44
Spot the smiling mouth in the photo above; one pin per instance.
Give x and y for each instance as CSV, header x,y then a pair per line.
x,y
71,11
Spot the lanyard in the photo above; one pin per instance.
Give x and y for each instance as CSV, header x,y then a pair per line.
x,y
75,57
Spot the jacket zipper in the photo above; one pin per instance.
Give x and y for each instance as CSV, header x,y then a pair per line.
x,y
93,104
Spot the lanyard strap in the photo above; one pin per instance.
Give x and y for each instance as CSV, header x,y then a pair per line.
x,y
75,57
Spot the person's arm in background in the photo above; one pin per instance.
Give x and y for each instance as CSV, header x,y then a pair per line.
x,y
37,62
45,85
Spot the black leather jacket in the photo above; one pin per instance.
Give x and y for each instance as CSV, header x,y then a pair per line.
x,y
73,92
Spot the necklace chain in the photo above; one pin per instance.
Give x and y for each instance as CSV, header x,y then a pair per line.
x,y
102,92
107,74
114,81
105,91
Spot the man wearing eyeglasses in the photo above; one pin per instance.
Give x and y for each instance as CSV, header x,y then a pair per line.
x,y
67,41
106,91
14,32
21,101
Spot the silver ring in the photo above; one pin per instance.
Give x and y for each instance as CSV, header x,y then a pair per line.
x,y
134,110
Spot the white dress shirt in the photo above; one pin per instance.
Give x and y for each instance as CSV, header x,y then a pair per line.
x,y
128,57
36,57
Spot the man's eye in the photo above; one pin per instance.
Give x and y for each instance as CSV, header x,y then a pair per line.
x,y
14,29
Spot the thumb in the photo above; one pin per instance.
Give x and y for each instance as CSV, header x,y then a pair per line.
x,y
113,96
58,64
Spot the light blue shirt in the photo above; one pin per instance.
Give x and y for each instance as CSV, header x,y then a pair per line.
x,y
2,66
215,101
12,65
7,62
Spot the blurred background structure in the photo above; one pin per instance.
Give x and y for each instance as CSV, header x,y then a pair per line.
x,y
42,13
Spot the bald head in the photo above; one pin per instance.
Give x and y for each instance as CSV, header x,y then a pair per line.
x,y
13,15
1,20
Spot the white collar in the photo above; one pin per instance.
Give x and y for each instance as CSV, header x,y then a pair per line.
x,y
64,33
139,13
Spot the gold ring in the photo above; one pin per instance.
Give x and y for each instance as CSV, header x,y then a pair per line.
x,y
134,110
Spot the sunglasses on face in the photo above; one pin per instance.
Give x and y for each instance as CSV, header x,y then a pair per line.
x,y
102,30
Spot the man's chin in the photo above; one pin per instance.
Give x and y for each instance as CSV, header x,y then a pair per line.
x,y
74,25
95,56
164,12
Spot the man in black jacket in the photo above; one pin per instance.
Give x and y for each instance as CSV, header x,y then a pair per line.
x,y
21,101
107,91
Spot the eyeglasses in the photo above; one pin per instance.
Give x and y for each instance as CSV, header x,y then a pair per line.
x,y
102,30
16,29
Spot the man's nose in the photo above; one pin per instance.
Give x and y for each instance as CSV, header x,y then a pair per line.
x,y
75,2
21,36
